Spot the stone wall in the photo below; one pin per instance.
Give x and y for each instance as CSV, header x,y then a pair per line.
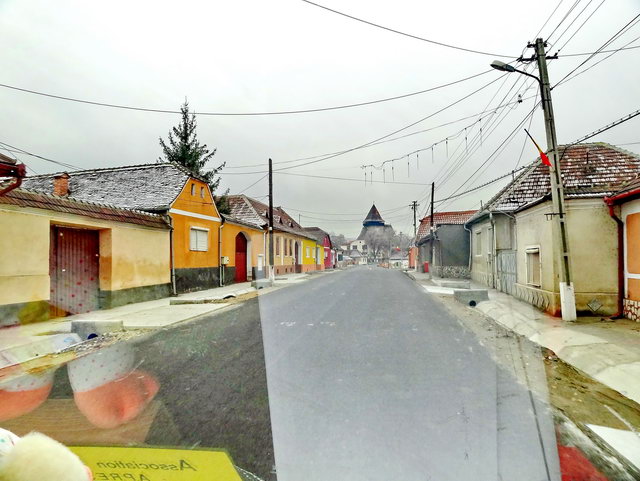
x,y
632,309
451,272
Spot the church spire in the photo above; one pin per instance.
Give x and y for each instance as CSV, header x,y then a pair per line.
x,y
373,217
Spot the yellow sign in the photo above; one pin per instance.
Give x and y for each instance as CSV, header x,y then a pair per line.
x,y
156,464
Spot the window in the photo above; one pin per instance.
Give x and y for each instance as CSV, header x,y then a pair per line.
x,y
308,252
326,254
193,189
533,266
478,243
277,240
202,192
199,239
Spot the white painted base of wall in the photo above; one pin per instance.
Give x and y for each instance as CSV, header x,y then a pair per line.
x,y
568,302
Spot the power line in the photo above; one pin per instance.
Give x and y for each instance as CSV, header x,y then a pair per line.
x,y
581,25
604,45
351,179
22,151
548,18
407,34
492,111
239,114
583,54
600,61
247,188
575,4
375,140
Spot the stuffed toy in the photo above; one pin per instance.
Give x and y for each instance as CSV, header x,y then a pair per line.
x,y
36,457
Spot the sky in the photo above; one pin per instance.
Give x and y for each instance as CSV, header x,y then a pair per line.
x,y
255,56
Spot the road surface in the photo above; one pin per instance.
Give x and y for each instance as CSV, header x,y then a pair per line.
x,y
370,378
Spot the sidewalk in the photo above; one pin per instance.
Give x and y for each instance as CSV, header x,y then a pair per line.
x,y
609,352
21,343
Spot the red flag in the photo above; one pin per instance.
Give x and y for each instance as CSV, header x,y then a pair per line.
x,y
543,157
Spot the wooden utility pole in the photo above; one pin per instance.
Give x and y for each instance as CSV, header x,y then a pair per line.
x,y
560,237
271,256
433,232
414,207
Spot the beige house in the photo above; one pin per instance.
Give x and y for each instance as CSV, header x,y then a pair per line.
x,y
511,237
62,256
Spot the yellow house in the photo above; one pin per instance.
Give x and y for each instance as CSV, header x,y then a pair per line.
x,y
61,256
243,248
289,239
162,188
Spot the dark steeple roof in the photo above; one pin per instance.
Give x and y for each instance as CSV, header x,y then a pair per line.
x,y
373,217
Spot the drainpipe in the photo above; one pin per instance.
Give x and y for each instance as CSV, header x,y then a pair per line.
x,y
614,216
174,291
494,269
220,265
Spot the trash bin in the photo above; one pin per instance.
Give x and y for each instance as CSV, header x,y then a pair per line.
x,y
426,267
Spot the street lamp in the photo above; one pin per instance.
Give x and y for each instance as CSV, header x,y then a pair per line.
x,y
560,236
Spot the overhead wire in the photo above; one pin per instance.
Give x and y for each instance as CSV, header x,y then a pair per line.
x,y
611,39
435,42
22,151
242,114
580,27
352,149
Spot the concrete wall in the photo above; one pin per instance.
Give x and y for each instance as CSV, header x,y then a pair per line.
x,y
480,259
593,245
134,261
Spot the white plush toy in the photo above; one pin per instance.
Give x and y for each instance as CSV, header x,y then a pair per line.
x,y
36,457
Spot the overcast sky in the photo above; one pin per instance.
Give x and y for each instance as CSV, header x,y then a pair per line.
x,y
255,56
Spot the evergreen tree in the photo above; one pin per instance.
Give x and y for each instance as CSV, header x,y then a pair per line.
x,y
184,148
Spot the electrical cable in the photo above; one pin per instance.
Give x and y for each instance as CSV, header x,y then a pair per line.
x,y
62,164
245,114
580,27
407,34
604,45
375,140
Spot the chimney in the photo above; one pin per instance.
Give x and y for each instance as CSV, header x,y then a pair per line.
x,y
61,185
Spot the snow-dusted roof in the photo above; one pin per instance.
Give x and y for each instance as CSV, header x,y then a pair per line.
x,y
152,187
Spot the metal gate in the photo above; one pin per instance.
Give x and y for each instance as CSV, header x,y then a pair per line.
x,y
506,271
74,271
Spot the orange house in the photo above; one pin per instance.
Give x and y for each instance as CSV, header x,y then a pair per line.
x,y
164,188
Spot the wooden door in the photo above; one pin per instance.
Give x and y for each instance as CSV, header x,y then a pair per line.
x,y
73,271
241,258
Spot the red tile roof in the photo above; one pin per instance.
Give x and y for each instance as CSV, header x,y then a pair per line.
x,y
588,170
38,200
256,213
440,218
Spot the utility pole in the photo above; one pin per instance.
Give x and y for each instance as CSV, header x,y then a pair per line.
x,y
271,270
560,238
414,206
433,233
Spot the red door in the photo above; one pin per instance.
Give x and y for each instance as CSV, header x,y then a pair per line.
x,y
241,258
73,271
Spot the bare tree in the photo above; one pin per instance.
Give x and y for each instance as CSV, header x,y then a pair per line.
x,y
379,240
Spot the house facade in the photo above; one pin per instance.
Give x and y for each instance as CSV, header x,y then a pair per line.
x,y
243,251
165,189
294,249
624,209
324,249
446,248
81,256
512,238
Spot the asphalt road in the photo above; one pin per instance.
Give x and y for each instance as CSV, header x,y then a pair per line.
x,y
370,378
354,375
